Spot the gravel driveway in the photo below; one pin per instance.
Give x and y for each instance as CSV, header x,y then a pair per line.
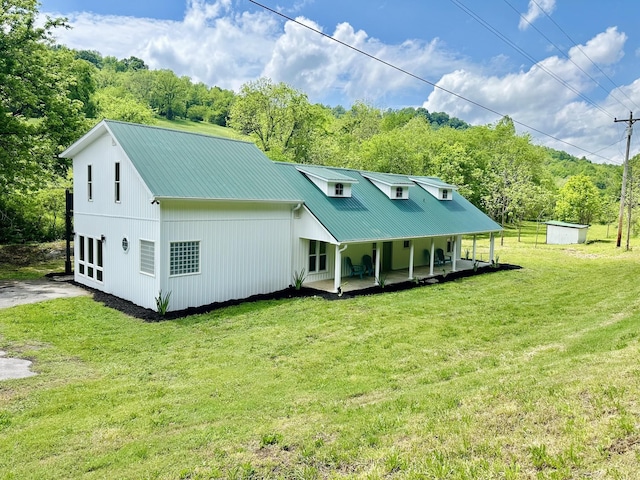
x,y
18,292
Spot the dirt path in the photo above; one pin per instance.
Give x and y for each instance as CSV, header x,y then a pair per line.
x,y
19,292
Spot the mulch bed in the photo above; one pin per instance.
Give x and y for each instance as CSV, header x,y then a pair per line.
x,y
148,315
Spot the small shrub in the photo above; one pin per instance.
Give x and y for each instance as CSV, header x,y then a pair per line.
x,y
382,281
162,303
299,278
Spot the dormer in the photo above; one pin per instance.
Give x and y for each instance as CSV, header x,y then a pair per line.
x,y
331,183
393,186
436,187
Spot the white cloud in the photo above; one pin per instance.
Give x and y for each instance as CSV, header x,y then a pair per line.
x,y
535,98
536,9
316,64
212,44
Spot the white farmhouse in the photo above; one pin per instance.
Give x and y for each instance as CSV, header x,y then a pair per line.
x,y
212,219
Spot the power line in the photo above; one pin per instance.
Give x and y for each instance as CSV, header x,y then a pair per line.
x,y
421,79
522,52
584,53
564,53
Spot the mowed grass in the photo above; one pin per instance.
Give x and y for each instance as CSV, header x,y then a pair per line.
x,y
531,373
199,127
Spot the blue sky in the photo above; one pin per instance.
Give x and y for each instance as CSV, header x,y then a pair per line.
x,y
566,71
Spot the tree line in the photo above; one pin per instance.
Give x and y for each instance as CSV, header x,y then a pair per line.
x,y
51,95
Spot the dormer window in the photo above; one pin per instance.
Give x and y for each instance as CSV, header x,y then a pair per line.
x,y
436,187
396,187
332,182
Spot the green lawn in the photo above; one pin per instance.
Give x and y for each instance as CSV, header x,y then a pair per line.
x,y
531,373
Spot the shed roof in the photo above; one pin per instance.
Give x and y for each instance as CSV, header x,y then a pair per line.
x,y
556,223
390,179
369,215
176,164
326,174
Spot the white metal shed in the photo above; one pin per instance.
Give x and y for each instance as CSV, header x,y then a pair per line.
x,y
562,233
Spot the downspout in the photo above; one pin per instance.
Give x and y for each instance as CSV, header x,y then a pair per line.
x,y
337,270
291,239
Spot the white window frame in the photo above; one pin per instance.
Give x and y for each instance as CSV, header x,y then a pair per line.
x,y
91,258
147,251
116,174
184,258
317,256
90,183
339,189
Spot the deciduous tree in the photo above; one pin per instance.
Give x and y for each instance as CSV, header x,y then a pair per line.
x,y
39,115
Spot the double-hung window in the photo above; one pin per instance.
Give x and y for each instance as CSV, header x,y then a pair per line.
x,y
317,256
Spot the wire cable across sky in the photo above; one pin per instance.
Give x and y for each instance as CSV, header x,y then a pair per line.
x,y
424,80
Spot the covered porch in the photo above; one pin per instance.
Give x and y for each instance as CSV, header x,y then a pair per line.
x,y
354,283
384,272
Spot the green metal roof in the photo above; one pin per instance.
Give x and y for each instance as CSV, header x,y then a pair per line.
x,y
326,174
369,215
389,179
433,181
175,164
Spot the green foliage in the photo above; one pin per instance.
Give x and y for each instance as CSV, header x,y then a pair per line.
x,y
298,279
278,117
34,216
162,303
578,200
41,99
116,104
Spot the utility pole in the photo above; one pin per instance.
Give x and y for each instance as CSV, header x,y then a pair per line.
x,y
630,121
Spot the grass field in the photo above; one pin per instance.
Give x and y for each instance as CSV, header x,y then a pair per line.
x,y
531,373
199,127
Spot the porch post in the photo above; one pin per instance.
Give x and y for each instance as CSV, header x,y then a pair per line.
x,y
473,257
377,267
337,271
454,253
432,255
491,243
410,259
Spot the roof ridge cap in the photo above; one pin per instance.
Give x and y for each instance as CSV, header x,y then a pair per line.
x,y
167,129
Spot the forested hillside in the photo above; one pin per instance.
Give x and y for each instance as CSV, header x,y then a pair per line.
x,y
53,95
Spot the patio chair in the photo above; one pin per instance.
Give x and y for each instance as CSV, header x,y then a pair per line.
x,y
354,269
441,258
427,256
368,264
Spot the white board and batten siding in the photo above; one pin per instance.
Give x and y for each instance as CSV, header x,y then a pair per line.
x,y
305,228
244,250
132,218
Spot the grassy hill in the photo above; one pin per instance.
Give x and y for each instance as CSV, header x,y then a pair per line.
x,y
524,374
200,127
